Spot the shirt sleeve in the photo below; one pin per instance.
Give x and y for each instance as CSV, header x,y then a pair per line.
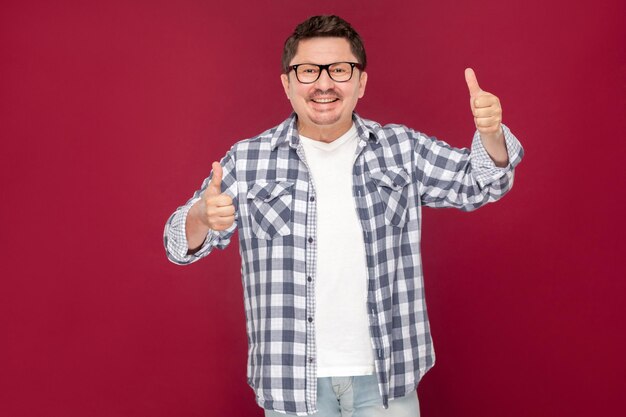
x,y
463,178
174,235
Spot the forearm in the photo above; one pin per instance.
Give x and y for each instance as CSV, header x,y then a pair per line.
x,y
496,148
464,178
195,229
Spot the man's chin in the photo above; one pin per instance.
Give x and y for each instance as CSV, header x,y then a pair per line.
x,y
325,118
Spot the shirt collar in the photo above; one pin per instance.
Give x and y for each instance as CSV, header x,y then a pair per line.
x,y
287,131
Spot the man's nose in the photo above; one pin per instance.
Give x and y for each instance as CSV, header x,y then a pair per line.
x,y
324,80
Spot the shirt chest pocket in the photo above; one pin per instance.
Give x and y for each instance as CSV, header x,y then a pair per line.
x,y
392,187
269,205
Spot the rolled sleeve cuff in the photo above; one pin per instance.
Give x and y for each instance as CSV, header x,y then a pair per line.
x,y
175,237
483,167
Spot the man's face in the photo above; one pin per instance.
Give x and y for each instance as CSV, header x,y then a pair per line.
x,y
325,107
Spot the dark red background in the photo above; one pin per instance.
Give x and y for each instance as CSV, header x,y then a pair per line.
x,y
112,112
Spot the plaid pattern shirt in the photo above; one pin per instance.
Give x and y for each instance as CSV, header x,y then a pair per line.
x,y
396,172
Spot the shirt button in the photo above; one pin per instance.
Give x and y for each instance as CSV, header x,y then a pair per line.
x,y
310,240
311,198
310,319
311,360
309,279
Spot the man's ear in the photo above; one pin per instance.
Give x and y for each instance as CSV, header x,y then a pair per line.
x,y
362,84
284,78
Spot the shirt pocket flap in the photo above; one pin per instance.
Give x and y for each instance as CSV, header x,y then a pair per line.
x,y
267,191
393,177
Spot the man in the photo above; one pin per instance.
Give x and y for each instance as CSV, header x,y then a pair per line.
x,y
328,207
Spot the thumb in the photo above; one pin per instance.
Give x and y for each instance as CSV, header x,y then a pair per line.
x,y
215,186
472,82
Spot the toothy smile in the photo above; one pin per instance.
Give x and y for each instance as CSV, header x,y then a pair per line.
x,y
324,100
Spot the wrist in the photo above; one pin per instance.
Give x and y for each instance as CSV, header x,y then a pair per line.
x,y
495,145
196,218
493,137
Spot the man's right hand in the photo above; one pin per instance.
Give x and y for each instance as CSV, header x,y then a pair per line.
x,y
214,211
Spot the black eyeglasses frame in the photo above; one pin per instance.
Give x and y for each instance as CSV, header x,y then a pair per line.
x,y
326,67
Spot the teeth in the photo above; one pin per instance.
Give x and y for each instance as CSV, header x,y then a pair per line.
x,y
324,100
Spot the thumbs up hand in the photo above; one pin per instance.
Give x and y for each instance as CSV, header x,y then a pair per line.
x,y
215,186
485,108
215,209
487,118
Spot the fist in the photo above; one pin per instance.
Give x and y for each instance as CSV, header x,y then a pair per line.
x,y
216,209
485,108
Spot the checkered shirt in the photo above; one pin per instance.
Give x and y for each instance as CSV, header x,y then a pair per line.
x,y
396,172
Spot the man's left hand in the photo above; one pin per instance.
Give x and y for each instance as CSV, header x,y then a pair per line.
x,y
486,108
487,118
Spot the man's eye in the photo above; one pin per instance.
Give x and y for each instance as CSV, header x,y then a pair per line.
x,y
309,70
339,71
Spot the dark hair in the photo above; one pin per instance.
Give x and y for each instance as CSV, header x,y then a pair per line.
x,y
323,26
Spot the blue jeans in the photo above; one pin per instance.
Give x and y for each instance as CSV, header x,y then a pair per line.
x,y
357,396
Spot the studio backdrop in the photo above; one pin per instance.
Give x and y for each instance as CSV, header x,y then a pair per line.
x,y
111,113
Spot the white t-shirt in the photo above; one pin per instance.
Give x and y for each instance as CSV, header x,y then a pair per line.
x,y
343,341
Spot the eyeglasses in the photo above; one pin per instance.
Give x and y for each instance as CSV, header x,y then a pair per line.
x,y
339,71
